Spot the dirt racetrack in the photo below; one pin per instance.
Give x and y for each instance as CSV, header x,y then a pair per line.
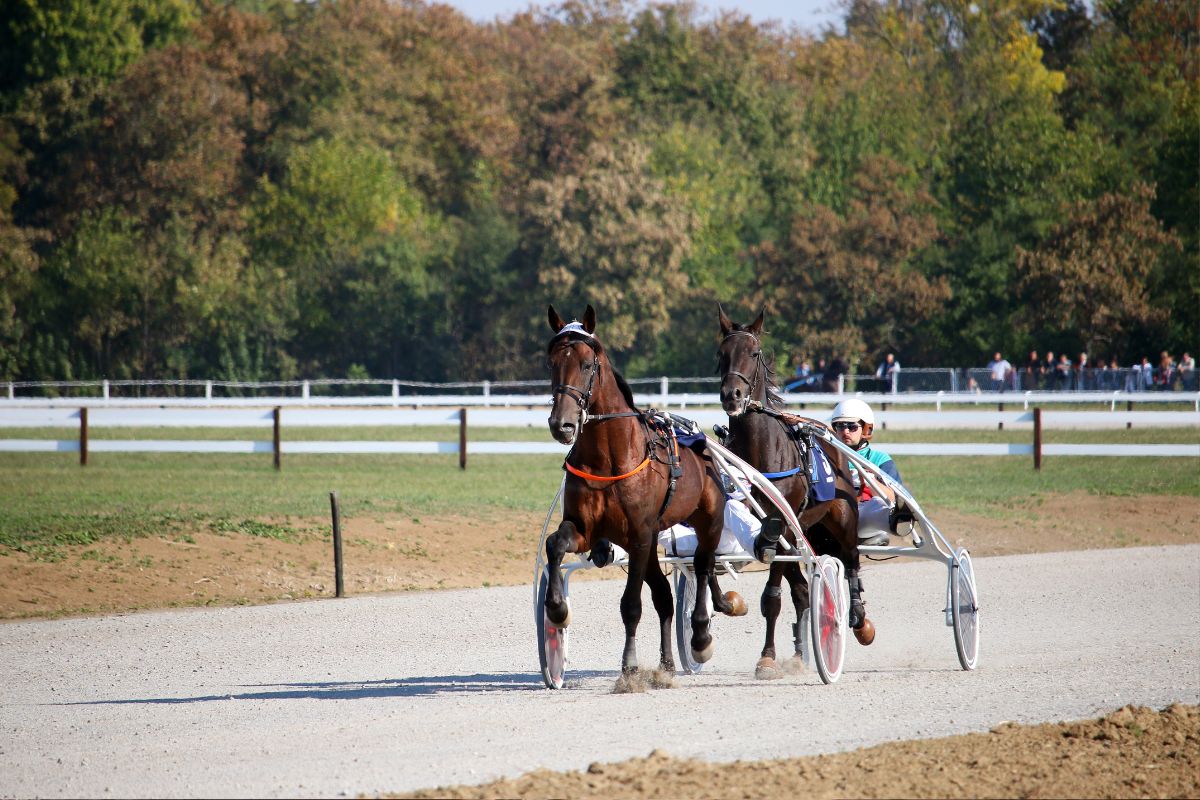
x,y
1131,752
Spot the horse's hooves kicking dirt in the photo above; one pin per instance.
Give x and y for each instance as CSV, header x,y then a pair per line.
x,y
865,634
795,665
767,670
639,681
737,604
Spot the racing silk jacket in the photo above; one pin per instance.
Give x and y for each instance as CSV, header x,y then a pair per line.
x,y
880,459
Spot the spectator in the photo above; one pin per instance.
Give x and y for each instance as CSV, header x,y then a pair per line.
x,y
1187,371
803,380
1001,371
1083,374
1048,367
1133,378
1032,373
1063,373
888,373
1145,374
1164,376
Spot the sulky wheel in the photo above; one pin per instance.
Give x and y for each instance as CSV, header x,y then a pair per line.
x,y
552,641
829,611
964,608
685,601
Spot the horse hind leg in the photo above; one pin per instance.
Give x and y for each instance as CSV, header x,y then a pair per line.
x,y
800,601
770,604
660,593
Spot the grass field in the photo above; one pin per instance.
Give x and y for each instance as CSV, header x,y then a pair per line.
x,y
50,501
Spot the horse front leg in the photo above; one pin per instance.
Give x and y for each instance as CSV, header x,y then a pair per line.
x,y
704,563
631,606
767,669
660,593
564,540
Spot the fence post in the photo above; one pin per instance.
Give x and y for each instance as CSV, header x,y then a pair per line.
x,y
395,393
104,384
10,390
338,587
275,415
665,389
487,393
1001,409
83,437
1129,407
841,384
304,391
462,438
208,390
1037,438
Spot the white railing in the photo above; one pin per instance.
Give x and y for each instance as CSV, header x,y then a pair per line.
x,y
274,419
913,385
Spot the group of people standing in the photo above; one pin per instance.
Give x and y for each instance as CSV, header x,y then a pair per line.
x,y
1062,374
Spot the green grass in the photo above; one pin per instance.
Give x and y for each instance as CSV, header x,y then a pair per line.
x,y
50,502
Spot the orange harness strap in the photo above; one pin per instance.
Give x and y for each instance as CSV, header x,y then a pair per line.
x,y
588,476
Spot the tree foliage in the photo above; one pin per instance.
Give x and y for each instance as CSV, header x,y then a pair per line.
x,y
268,189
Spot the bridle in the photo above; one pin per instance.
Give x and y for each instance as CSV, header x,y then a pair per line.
x,y
583,397
760,367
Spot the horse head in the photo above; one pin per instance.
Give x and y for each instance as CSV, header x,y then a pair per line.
x,y
574,357
741,364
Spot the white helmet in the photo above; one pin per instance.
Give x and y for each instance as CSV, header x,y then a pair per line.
x,y
853,410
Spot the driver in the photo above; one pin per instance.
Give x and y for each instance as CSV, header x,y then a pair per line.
x,y
854,423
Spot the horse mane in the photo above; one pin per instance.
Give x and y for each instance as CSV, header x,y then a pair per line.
x,y
594,343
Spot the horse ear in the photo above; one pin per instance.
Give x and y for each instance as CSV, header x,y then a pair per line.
x,y
556,322
589,319
756,326
726,325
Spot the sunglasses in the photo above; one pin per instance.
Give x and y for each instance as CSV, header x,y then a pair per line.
x,y
846,426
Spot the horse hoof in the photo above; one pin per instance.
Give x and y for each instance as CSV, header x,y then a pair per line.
x,y
866,632
737,605
767,670
564,622
703,656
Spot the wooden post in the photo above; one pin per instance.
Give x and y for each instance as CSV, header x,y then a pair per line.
x,y
462,438
1001,424
1129,407
83,437
339,587
1037,438
275,440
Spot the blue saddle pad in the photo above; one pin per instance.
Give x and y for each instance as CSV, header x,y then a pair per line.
x,y
820,475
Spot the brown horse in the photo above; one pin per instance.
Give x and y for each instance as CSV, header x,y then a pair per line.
x,y
626,481
761,436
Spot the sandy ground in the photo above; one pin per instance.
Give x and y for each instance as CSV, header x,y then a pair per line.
x,y
1134,752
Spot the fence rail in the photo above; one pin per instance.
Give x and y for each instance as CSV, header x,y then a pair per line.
x,y
909,381
86,418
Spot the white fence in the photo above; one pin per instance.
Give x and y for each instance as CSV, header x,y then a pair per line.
x,y
56,416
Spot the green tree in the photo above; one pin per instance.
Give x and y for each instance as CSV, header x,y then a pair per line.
x,y
1091,274
613,236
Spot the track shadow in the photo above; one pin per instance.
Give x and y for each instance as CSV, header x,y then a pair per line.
x,y
417,686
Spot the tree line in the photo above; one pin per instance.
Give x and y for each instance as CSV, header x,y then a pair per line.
x,y
266,189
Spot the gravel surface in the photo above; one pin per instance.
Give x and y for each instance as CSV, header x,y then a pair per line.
x,y
392,693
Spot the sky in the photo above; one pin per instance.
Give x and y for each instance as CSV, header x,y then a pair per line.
x,y
810,15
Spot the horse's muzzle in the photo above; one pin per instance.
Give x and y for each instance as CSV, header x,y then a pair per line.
x,y
563,431
733,401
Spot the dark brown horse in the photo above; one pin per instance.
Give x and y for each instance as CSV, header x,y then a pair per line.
x,y
761,435
626,482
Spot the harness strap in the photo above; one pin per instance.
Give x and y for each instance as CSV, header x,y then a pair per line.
x,y
607,479
787,473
